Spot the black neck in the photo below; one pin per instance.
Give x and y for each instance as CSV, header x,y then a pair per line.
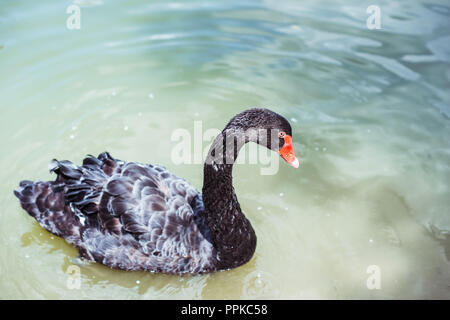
x,y
231,232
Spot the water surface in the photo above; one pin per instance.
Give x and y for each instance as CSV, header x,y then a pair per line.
x,y
370,111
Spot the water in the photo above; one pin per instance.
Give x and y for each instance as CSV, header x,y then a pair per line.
x,y
370,113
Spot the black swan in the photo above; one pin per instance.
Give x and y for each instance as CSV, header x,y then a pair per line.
x,y
133,216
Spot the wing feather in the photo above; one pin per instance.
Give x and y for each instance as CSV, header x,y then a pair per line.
x,y
127,215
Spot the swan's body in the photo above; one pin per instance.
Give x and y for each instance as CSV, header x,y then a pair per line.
x,y
125,215
133,216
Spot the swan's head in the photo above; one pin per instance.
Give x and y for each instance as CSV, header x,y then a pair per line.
x,y
267,128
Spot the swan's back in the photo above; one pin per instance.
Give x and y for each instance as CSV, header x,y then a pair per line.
x,y
125,215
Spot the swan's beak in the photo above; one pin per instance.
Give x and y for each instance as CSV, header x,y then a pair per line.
x,y
287,152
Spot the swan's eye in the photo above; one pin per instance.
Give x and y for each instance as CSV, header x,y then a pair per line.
x,y
281,134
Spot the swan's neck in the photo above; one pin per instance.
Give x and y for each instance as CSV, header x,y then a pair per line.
x,y
231,232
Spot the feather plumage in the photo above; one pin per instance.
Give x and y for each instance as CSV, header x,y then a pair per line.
x,y
129,216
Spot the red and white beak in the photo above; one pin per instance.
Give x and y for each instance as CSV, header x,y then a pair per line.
x,y
287,152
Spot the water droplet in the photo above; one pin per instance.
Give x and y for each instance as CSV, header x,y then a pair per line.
x,y
286,208
150,96
113,93
316,148
140,114
371,240
125,128
281,194
27,256
293,120
52,238
259,208
137,281
72,136
74,128
324,149
258,285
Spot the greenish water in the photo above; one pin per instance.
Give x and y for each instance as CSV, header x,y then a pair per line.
x,y
370,111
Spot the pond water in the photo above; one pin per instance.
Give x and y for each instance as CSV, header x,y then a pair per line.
x,y
370,111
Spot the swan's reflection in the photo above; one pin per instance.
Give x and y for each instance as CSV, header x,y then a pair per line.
x,y
244,282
